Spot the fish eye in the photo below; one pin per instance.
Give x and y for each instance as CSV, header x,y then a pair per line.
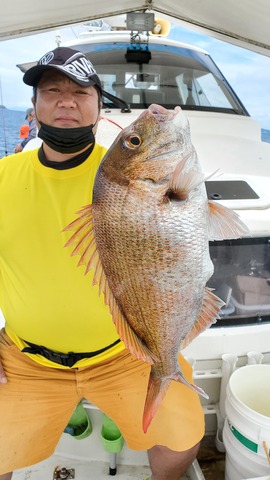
x,y
133,140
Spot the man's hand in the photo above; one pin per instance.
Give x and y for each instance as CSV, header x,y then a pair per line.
x,y
18,148
3,378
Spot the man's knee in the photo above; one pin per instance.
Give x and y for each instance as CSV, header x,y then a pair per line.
x,y
159,450
163,459
6,476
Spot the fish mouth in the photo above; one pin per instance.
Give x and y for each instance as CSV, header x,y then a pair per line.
x,y
162,115
165,115
156,109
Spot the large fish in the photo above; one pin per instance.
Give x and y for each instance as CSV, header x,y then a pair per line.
x,y
146,235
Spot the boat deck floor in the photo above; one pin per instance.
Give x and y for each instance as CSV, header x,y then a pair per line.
x,y
83,470
211,461
211,467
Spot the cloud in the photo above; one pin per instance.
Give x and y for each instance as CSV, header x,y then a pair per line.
x,y
16,95
250,79
247,72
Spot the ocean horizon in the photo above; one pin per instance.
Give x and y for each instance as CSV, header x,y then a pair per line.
x,y
11,120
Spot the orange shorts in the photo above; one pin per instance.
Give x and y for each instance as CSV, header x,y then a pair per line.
x,y
37,402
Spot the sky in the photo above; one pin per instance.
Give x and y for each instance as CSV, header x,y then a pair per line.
x,y
247,72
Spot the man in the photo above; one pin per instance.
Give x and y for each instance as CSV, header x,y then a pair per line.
x,y
51,307
30,117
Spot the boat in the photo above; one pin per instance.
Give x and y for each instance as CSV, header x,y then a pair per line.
x,y
136,70
140,66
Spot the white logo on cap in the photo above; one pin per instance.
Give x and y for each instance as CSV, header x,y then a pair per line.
x,y
46,58
81,68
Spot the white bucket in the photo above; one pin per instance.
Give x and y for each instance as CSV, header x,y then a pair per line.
x,y
246,433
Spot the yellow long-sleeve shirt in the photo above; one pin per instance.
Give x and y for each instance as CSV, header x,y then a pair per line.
x,y
45,298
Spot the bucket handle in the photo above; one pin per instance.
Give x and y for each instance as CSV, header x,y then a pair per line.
x,y
266,449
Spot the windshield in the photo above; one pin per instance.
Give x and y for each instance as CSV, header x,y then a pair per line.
x,y
168,75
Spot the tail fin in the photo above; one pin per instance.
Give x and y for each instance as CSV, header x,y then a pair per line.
x,y
179,377
157,388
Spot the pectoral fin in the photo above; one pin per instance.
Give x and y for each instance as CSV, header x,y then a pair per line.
x,y
184,179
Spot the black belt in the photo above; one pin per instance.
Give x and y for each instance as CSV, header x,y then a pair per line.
x,y
65,359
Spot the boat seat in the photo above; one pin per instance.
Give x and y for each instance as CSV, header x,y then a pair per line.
x,y
190,99
138,96
172,95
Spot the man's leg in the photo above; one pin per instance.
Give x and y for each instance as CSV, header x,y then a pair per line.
x,y
36,404
166,464
6,476
118,386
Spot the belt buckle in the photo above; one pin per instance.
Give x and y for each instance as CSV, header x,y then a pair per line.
x,y
65,359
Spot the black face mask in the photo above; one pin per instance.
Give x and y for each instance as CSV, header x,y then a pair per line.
x,y
66,140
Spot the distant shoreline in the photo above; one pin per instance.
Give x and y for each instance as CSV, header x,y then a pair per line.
x,y
12,109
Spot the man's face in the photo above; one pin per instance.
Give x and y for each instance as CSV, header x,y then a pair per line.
x,y
62,103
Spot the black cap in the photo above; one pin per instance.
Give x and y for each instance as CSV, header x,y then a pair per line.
x,y
70,62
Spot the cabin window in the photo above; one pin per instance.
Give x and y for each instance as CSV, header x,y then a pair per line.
x,y
172,76
242,280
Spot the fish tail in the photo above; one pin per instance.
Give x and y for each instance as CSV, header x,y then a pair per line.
x,y
179,377
157,389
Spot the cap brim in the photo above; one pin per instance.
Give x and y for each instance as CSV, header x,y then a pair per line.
x,y
33,75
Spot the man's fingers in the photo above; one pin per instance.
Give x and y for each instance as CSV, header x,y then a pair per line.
x,y
3,378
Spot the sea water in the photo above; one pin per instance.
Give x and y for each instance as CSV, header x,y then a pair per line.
x,y
11,120
265,135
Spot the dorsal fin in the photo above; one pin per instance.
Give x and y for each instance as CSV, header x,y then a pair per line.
x,y
83,241
224,223
209,314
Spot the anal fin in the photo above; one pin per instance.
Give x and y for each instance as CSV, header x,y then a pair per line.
x,y
209,314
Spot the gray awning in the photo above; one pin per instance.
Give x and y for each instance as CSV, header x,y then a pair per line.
x,y
243,22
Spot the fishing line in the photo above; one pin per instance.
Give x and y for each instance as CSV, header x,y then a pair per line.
x,y
3,118
111,121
